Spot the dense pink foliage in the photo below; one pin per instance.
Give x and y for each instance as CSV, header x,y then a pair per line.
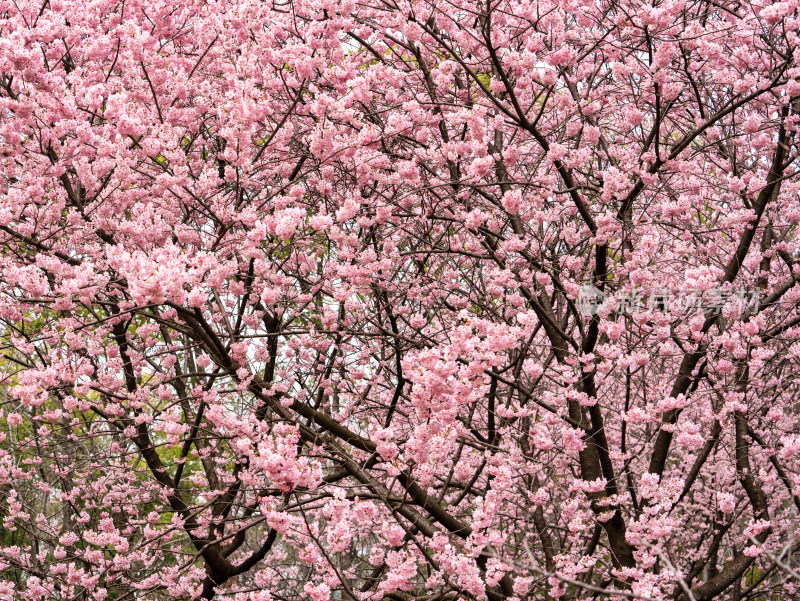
x,y
289,299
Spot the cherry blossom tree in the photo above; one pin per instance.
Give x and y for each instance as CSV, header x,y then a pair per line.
x,y
293,300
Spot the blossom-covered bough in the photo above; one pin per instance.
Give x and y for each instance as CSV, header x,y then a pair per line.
x,y
291,300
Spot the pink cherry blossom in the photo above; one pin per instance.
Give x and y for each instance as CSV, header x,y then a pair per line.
x,y
328,299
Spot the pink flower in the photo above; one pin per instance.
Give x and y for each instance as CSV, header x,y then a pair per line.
x,y
512,201
318,592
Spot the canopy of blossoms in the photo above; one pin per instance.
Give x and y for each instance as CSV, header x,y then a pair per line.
x,y
399,300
